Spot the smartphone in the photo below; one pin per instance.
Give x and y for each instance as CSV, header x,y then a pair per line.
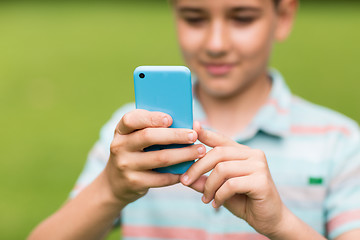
x,y
166,89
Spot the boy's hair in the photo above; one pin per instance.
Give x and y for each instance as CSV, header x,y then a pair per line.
x,y
276,2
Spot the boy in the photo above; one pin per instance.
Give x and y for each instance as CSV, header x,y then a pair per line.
x,y
312,153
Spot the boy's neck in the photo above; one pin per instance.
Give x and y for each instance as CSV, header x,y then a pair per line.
x,y
231,115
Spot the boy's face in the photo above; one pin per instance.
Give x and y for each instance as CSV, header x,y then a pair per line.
x,y
227,43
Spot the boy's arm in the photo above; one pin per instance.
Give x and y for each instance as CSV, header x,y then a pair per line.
x,y
90,215
353,234
126,177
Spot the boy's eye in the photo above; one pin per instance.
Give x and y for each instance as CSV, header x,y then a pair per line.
x,y
243,20
194,20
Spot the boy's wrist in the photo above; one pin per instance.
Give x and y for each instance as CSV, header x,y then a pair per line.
x,y
291,227
106,195
281,229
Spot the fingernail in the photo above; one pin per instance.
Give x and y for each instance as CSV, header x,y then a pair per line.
x,y
201,150
214,204
191,136
166,121
185,178
204,199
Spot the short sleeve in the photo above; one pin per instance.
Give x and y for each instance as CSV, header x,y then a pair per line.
x,y
342,205
99,154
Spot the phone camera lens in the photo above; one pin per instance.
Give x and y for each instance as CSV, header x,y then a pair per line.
x,y
141,75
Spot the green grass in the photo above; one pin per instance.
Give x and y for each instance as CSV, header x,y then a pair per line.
x,y
65,67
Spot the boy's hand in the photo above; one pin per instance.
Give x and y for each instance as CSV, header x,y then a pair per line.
x,y
128,171
240,180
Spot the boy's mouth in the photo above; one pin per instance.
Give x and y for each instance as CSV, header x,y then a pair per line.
x,y
218,69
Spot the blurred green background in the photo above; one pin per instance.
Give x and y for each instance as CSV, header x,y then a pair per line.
x,y
65,67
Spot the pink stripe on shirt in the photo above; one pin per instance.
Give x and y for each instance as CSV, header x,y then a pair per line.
x,y
184,233
275,103
342,219
319,129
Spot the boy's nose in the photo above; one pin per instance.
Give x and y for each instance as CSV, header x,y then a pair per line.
x,y
217,40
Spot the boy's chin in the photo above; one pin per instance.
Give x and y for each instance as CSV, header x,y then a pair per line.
x,y
220,92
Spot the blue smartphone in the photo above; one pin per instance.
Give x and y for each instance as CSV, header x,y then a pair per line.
x,y
166,89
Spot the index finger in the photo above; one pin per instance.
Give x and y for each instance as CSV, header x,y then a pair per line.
x,y
212,159
213,139
140,119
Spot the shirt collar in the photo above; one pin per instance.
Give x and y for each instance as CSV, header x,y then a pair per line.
x,y
273,118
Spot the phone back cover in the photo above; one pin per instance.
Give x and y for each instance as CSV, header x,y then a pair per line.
x,y
166,89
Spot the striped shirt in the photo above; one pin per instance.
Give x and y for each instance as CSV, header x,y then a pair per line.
x,y
314,158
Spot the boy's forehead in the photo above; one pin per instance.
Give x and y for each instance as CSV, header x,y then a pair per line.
x,y
221,3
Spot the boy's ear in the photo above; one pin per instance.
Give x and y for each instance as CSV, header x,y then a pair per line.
x,y
286,12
